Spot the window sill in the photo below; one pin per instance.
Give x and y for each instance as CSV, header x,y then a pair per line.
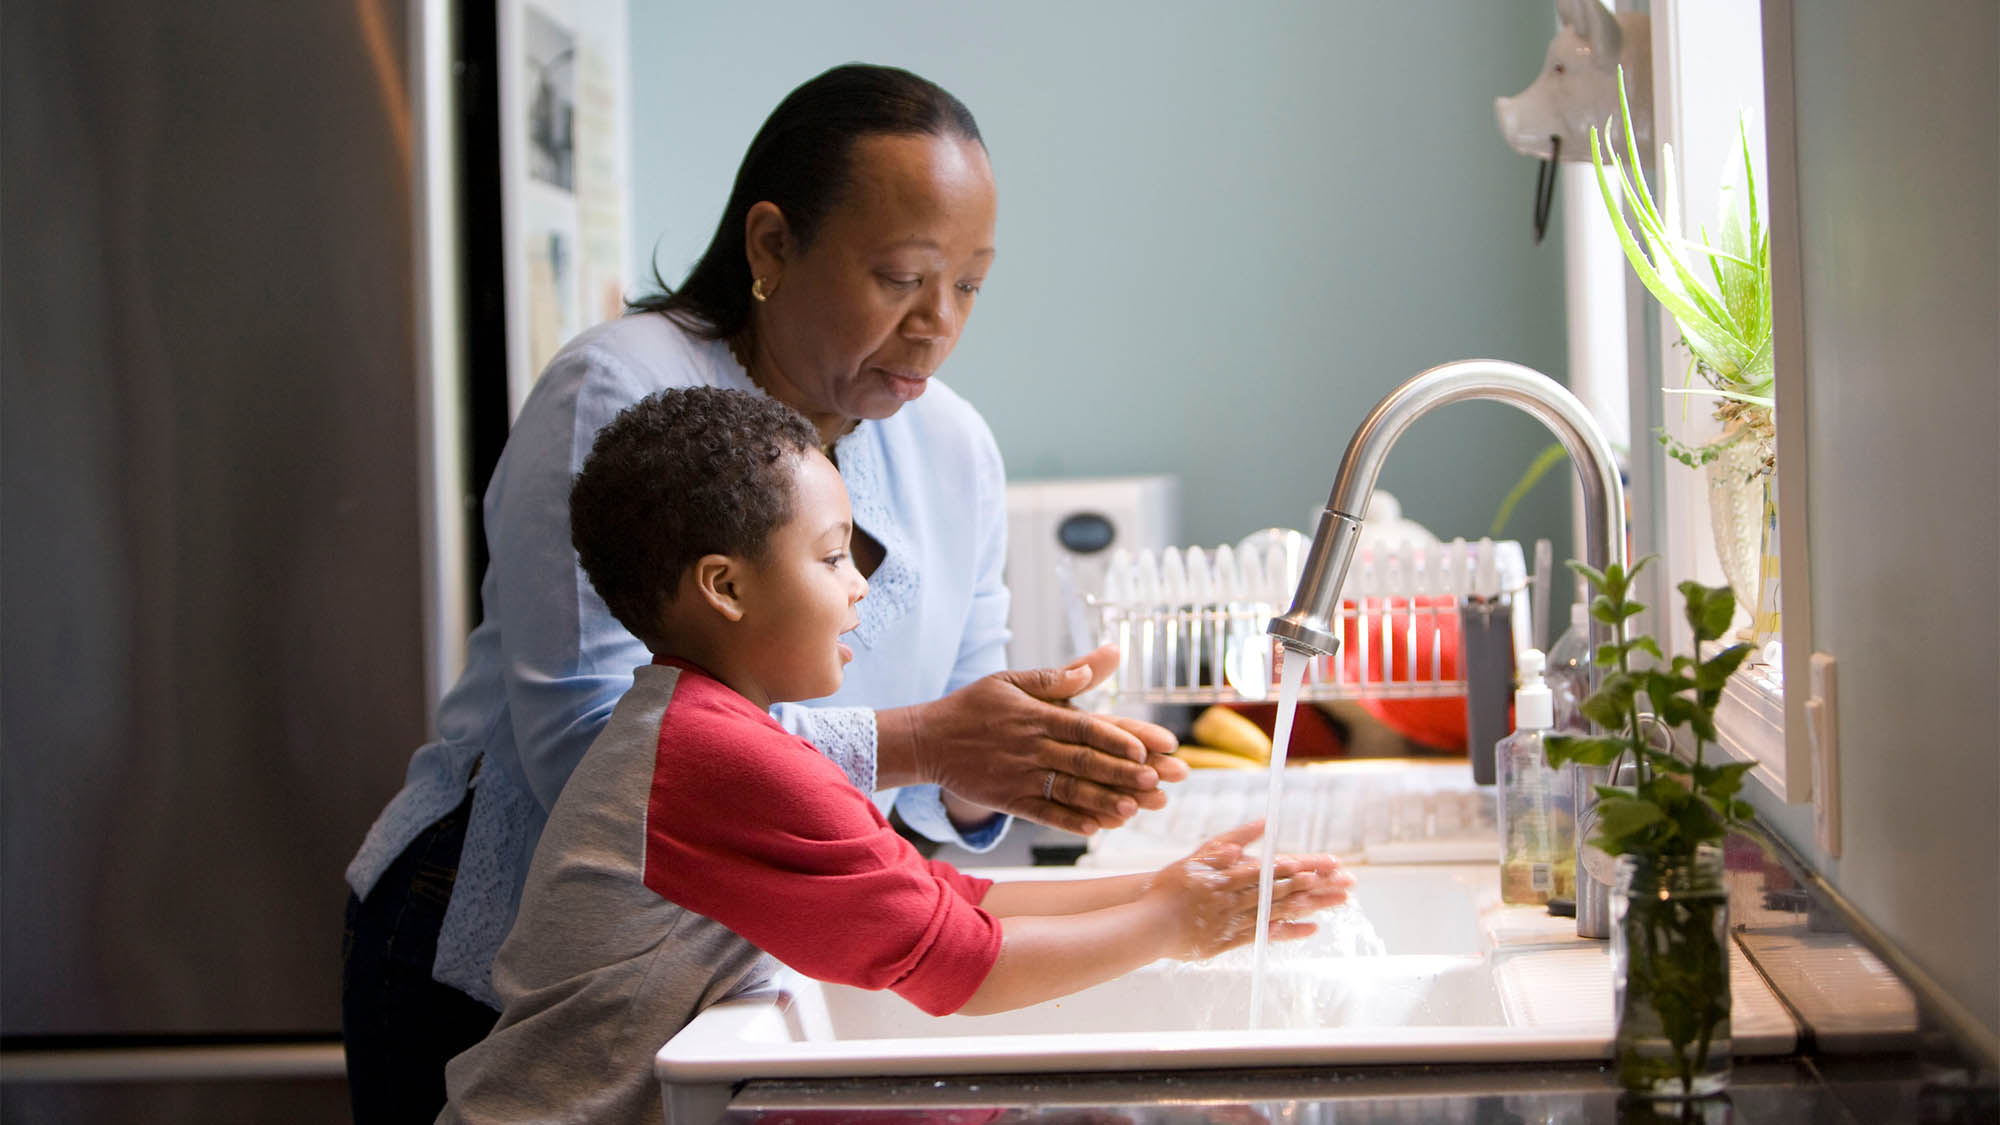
x,y
1750,727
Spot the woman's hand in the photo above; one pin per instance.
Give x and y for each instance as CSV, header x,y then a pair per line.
x,y
1213,894
1012,742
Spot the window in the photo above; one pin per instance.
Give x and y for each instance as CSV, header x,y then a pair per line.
x,y
1710,69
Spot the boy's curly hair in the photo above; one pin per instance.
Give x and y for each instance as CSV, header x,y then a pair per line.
x,y
681,474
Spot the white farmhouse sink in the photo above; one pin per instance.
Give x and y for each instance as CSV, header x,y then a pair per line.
x,y
1457,977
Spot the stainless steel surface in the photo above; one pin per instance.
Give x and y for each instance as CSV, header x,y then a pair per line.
x,y
1593,867
212,549
1309,625
175,1064
443,446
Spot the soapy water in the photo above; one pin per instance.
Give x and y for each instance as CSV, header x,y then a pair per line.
x,y
1305,989
1281,740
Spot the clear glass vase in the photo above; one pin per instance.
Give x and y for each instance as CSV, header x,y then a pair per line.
x,y
1736,480
1670,974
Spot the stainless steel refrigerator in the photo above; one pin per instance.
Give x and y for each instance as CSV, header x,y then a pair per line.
x,y
234,466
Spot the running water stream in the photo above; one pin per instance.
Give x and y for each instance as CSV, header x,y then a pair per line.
x,y
1281,739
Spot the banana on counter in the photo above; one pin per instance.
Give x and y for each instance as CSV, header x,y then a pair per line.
x,y
1224,739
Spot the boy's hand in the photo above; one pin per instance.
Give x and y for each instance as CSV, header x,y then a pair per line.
x,y
1012,742
1213,894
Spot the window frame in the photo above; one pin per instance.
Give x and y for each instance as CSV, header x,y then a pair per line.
x,y
1758,720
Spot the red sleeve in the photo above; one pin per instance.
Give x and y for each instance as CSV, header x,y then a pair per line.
x,y
969,887
749,825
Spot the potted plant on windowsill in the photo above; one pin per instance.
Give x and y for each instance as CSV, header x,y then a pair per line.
x,y
1718,290
1670,908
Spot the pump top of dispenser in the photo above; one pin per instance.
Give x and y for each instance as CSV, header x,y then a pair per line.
x,y
1534,709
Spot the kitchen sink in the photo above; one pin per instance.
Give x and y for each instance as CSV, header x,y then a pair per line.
x,y
1425,966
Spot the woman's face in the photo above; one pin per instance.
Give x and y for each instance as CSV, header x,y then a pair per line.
x,y
858,320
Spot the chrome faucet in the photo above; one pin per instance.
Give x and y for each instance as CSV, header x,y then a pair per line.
x,y
1312,626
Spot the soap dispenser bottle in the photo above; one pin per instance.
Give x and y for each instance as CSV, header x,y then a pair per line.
x,y
1537,842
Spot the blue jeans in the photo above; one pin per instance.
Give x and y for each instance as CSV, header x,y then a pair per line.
x,y
400,1027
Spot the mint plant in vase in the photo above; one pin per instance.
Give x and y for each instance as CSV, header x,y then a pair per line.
x,y
1670,908
1718,290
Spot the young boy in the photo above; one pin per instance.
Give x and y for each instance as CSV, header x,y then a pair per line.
x,y
698,838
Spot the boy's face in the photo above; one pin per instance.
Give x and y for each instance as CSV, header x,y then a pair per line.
x,y
804,590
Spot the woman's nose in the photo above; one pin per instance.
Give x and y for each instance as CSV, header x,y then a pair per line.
x,y
860,588
933,319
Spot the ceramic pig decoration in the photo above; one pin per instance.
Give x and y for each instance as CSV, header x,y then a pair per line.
x,y
1578,86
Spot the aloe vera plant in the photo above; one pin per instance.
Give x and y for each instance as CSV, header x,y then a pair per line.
x,y
1717,290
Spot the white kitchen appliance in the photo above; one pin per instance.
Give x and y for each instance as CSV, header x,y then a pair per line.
x,y
1060,534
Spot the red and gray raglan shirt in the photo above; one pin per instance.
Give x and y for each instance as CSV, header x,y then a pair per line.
x,y
697,840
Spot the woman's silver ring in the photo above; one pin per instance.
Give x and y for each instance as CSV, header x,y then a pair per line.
x,y
1049,786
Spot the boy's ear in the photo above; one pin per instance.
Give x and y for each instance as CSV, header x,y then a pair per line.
x,y
718,582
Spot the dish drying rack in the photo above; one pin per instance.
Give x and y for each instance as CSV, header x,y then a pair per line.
x,y
1416,618
1365,810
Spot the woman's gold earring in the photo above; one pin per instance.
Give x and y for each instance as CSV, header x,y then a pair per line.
x,y
757,293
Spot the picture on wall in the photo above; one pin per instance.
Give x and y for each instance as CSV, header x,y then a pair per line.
x,y
565,166
549,68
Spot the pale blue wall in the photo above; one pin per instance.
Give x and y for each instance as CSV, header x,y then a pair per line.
x,y
1899,242
1225,230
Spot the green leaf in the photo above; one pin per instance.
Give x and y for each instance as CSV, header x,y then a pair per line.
x,y
1611,653
1763,400
1589,574
1666,764
1660,684
1682,311
1611,704
1709,609
1613,611
1550,456
1673,710
1722,782
1599,751
1622,816
1717,289
1702,722
1716,670
1647,645
1665,792
1697,821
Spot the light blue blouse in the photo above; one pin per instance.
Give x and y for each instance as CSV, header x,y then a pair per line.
x,y
549,662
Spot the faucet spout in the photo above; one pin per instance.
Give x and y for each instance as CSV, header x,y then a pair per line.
x,y
1312,625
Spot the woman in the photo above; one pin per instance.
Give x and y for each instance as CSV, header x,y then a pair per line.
x,y
842,272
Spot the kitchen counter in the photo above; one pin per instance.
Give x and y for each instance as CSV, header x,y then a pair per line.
x,y
1868,1051
1860,1091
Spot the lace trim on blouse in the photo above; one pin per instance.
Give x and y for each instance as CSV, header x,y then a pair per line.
x,y
893,588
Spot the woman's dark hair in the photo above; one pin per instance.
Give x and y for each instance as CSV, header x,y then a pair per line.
x,y
678,475
801,161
